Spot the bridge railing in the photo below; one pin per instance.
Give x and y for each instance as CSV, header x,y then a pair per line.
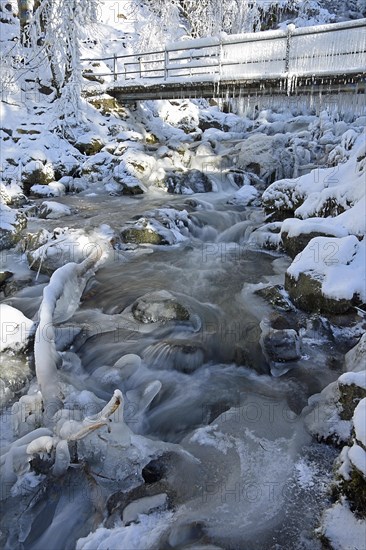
x,y
324,49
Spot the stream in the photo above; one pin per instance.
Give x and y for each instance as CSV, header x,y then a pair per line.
x,y
236,462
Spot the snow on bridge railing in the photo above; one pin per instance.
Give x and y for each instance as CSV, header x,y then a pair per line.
x,y
332,49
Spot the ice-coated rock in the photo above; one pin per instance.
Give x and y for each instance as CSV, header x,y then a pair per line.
x,y
281,346
157,307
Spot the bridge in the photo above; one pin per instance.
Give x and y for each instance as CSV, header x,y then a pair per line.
x,y
323,59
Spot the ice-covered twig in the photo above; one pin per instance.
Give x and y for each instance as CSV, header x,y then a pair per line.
x,y
97,421
60,300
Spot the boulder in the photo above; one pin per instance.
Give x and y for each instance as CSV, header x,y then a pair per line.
x,y
4,276
53,189
276,296
293,245
356,357
352,389
164,226
53,210
306,293
281,346
89,144
14,377
193,181
130,184
296,234
142,233
12,195
16,330
246,196
267,236
328,275
159,307
12,224
352,465
36,172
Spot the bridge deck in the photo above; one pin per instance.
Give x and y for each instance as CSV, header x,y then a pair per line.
x,y
355,83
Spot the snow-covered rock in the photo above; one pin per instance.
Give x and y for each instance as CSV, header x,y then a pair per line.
x,y
12,194
89,143
53,210
53,189
263,155
163,226
66,245
16,329
296,233
341,529
352,388
36,172
267,236
323,416
324,192
356,357
328,275
12,223
359,421
186,183
127,182
245,196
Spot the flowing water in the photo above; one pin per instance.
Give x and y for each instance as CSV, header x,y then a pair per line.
x,y
253,479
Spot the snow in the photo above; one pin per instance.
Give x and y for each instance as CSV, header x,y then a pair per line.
x,y
357,456
323,420
70,245
245,196
8,217
211,436
338,263
53,189
356,357
309,194
141,536
359,422
43,444
16,329
55,210
343,530
143,506
305,474
356,378
295,227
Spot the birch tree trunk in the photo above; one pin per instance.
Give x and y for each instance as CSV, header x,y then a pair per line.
x,y
25,9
